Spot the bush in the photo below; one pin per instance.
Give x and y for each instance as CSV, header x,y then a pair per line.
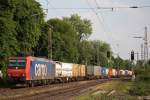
x,y
141,85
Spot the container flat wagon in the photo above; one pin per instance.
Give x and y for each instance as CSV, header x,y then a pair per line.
x,y
97,72
93,72
69,72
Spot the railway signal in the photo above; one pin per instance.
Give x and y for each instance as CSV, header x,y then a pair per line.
x,y
132,55
108,54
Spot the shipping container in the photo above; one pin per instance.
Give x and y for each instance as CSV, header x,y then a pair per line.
x,y
58,69
107,70
122,72
97,70
126,73
110,72
114,72
104,71
78,70
117,72
83,70
67,69
90,70
41,69
130,73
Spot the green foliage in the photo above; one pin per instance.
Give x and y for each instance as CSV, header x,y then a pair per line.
x,y
64,41
141,85
86,52
83,27
29,18
25,18
20,27
105,97
68,46
93,52
122,64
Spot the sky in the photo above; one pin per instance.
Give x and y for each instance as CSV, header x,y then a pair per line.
x,y
117,27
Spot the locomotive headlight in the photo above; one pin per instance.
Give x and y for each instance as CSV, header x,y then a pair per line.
x,y
22,74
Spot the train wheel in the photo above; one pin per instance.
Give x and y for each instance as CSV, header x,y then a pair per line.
x,y
31,84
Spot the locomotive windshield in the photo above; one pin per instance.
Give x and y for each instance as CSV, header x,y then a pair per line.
x,y
16,63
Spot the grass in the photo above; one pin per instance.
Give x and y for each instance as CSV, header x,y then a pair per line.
x,y
105,97
121,89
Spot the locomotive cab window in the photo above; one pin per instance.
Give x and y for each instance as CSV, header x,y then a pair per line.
x,y
17,63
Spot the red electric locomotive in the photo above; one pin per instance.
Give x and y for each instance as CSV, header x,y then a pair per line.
x,y
17,70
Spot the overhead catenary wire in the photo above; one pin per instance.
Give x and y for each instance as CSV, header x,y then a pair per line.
x,y
106,28
95,10
98,8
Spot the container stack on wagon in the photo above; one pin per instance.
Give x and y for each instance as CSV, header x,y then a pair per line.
x,y
104,72
93,72
78,71
69,71
97,72
110,74
114,73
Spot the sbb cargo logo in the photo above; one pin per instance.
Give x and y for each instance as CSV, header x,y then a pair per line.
x,y
40,70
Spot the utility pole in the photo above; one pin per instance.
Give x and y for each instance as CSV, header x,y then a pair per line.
x,y
137,56
97,48
49,44
145,45
144,48
142,52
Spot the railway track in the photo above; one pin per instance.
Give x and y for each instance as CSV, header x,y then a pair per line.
x,y
65,93
51,92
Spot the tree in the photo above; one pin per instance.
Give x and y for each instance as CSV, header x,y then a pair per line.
x,y
20,27
26,18
83,27
64,41
29,18
122,64
85,52
66,37
93,52
141,84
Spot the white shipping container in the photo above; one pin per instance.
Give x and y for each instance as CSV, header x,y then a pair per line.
x,y
97,70
122,72
67,69
114,72
107,70
58,69
130,73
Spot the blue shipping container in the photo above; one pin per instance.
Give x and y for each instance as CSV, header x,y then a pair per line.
x,y
103,71
41,69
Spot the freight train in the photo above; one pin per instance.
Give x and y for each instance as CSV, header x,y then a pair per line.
x,y
33,70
